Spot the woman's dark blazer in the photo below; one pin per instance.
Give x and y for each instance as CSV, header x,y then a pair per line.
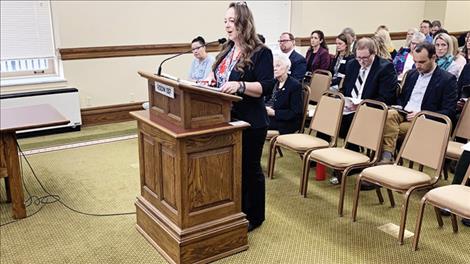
x,y
288,106
252,109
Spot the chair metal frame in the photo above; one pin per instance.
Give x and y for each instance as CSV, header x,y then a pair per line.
x,y
406,192
373,155
458,133
425,201
274,145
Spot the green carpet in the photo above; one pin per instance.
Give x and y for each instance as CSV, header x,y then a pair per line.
x,y
105,179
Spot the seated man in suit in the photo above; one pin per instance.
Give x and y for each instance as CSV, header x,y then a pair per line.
x,y
298,63
427,87
367,77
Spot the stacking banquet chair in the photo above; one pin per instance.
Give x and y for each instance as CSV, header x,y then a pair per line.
x,y
367,132
321,81
425,145
462,130
326,119
454,198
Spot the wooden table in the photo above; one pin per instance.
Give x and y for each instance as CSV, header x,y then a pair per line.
x,y
12,120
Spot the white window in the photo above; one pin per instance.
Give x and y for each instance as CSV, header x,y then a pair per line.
x,y
27,41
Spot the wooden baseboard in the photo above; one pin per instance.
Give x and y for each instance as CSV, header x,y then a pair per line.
x,y
108,114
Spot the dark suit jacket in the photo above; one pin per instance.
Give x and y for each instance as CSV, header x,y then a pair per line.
x,y
464,80
252,109
381,83
440,95
288,107
298,66
321,61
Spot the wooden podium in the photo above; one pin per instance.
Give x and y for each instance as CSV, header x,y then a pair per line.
x,y
190,173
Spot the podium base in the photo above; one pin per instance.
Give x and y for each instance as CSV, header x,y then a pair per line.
x,y
198,244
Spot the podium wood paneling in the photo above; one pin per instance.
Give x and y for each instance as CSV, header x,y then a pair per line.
x,y
190,203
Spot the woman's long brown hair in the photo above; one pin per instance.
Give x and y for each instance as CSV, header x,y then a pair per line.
x,y
249,41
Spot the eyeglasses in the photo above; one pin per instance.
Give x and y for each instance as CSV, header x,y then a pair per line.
x,y
284,40
241,3
363,58
196,48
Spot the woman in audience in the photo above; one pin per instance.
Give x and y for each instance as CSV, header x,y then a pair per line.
x,y
466,48
343,55
400,58
245,67
285,106
202,63
317,55
445,54
385,36
382,50
417,38
459,59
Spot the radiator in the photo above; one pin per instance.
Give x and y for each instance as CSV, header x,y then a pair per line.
x,y
65,100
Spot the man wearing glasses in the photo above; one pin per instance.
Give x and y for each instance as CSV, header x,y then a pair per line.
x,y
298,63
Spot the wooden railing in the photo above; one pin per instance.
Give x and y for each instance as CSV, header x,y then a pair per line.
x,y
173,48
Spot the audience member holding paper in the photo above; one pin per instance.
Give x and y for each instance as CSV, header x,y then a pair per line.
x,y
427,87
367,77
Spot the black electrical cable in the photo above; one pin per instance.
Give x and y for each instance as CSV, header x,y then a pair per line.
x,y
49,198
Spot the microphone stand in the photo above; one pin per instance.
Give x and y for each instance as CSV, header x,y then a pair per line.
x,y
159,72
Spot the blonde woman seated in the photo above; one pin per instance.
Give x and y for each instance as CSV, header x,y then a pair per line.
x,y
285,106
445,54
387,40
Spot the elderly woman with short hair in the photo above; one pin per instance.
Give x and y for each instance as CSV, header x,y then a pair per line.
x,y
285,106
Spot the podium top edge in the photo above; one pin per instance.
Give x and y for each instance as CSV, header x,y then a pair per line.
x,y
184,86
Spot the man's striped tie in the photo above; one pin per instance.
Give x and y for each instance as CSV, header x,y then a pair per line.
x,y
358,85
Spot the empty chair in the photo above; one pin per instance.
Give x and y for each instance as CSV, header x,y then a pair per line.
x,y
321,80
454,198
424,145
462,130
366,131
326,119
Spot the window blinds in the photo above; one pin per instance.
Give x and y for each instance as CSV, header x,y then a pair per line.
x,y
26,30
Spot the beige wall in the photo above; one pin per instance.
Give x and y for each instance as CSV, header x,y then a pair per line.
x,y
115,81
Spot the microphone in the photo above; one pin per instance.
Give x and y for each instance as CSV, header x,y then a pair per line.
x,y
220,41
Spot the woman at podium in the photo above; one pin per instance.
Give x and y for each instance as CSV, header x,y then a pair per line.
x,y
245,67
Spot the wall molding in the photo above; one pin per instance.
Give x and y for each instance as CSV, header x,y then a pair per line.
x,y
173,48
109,114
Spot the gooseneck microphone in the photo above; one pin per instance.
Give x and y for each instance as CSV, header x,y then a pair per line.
x,y
220,41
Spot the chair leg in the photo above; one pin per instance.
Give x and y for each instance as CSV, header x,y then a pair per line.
x,y
305,166
272,158
445,169
404,212
379,195
438,217
342,192
419,221
305,174
356,198
421,167
390,196
455,227
410,164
